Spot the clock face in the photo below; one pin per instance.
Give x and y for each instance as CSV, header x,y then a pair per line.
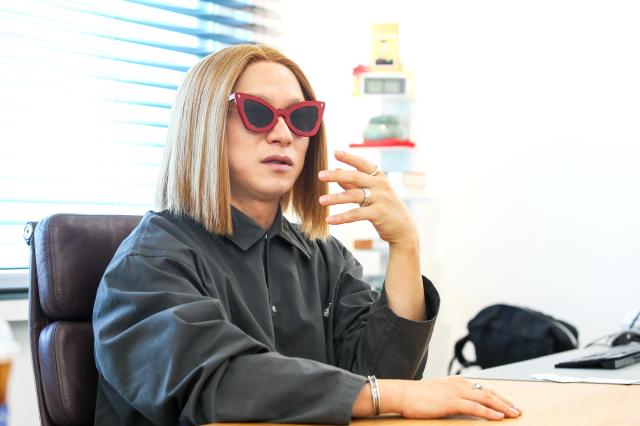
x,y
380,85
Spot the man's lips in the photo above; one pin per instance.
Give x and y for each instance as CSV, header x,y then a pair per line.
x,y
281,160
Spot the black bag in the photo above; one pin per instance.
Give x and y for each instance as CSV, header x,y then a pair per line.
x,y
503,334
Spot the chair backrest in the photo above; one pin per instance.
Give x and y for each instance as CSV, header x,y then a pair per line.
x,y
69,254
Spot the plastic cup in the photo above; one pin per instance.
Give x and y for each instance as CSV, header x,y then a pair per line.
x,y
8,350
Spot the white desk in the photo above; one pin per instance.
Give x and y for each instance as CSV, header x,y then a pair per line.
x,y
524,369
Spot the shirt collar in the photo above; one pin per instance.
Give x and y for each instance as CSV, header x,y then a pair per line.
x,y
246,232
291,234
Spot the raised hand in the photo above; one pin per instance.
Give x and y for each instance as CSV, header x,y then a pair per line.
x,y
379,203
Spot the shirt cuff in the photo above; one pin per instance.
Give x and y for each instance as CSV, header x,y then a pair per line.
x,y
348,392
405,325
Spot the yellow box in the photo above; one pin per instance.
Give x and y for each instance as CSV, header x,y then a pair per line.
x,y
385,53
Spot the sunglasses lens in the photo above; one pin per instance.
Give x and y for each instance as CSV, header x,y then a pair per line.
x,y
258,115
305,118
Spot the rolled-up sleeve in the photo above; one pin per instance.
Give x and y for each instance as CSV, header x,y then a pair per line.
x,y
169,350
370,338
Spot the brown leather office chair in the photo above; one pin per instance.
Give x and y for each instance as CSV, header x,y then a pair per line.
x,y
69,253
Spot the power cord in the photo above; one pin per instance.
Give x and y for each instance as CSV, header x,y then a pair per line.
x,y
634,321
605,343
609,336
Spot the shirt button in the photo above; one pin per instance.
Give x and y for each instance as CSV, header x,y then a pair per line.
x,y
274,309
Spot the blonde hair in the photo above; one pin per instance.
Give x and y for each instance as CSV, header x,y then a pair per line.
x,y
194,174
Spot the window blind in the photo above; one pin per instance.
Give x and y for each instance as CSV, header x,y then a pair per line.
x,y
86,89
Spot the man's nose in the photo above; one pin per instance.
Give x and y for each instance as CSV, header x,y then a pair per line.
x,y
280,133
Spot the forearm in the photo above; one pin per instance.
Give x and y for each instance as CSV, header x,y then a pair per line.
x,y
390,398
403,282
266,387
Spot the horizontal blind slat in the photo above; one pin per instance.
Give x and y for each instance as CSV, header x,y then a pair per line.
x,y
87,88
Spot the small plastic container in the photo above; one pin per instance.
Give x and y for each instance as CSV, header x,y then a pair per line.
x,y
396,160
8,350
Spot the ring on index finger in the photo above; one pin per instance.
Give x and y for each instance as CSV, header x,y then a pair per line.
x,y
477,386
375,171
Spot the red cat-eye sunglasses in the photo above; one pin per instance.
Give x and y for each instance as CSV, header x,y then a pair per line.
x,y
303,118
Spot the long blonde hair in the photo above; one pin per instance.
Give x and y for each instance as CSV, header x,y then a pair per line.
x,y
194,174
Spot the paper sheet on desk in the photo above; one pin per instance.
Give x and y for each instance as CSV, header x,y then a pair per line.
x,y
550,377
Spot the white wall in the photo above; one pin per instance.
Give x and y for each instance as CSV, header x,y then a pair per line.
x,y
529,132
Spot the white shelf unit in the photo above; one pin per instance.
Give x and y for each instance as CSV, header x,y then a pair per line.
x,y
374,260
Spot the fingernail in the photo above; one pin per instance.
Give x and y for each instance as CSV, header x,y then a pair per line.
x,y
515,411
338,153
331,219
324,198
499,414
323,174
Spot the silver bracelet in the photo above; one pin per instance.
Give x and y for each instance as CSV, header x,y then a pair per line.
x,y
375,394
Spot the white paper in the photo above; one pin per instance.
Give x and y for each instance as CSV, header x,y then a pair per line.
x,y
550,377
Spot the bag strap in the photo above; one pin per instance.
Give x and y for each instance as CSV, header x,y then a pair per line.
x,y
459,356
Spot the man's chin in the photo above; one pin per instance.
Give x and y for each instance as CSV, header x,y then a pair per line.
x,y
273,194
276,187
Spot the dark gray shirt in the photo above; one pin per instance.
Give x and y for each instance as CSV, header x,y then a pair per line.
x,y
267,325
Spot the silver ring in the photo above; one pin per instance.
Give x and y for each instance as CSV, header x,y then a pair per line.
x,y
375,171
367,197
477,386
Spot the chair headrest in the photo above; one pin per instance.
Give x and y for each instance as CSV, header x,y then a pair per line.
x,y
72,252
